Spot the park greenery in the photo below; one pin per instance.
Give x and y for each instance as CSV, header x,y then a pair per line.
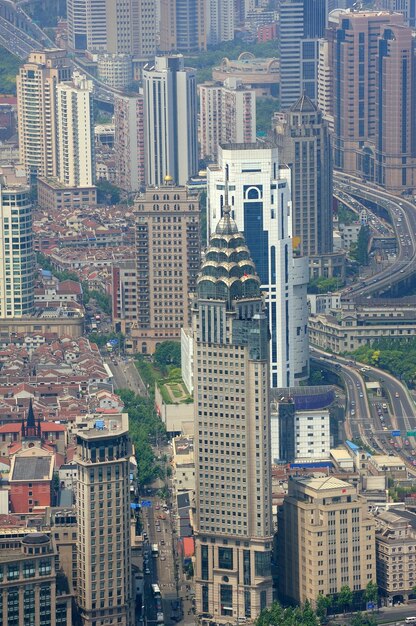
x,y
107,193
324,285
396,356
167,354
345,215
9,68
265,107
146,428
359,250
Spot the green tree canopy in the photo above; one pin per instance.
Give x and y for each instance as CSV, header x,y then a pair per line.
x,y
276,615
345,597
168,353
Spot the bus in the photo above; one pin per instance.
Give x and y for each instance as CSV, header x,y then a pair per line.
x,y
157,597
155,549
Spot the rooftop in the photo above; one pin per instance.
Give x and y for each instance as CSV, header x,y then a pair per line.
x,y
32,468
98,426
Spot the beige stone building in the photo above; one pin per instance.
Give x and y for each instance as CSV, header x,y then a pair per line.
x,y
326,539
167,262
396,554
232,434
104,583
30,592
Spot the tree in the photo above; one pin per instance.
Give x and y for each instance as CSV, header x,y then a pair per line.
x,y
360,251
107,193
168,353
322,605
276,615
363,620
265,107
371,593
345,597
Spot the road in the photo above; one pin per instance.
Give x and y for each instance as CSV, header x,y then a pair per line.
x,y
387,615
125,375
362,419
403,219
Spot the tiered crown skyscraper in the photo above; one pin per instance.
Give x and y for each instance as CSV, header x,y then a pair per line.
x,y
232,429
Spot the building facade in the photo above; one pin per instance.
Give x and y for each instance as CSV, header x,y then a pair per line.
x,y
302,24
170,109
129,141
374,129
259,194
37,124
233,526
104,585
17,268
182,26
75,125
326,539
220,21
29,591
227,114
304,145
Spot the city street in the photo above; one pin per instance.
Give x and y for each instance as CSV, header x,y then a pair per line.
x,y
126,375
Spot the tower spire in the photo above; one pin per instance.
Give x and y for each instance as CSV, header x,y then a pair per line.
x,y
30,421
226,209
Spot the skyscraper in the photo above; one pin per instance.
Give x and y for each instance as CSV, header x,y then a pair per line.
x,y
103,25
302,24
259,193
304,145
407,7
227,114
75,125
233,529
170,108
167,257
35,84
129,141
375,132
182,26
220,21
17,263
103,517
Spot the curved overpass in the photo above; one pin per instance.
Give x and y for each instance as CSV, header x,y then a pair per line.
x,y
402,215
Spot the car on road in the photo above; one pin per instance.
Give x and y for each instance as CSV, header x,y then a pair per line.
x,y
163,558
397,394
361,395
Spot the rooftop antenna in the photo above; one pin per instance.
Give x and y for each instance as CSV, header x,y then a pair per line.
x,y
226,209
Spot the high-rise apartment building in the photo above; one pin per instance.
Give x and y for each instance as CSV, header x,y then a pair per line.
x,y
37,126
145,27
227,114
129,141
219,21
167,262
103,25
182,26
17,263
75,125
233,526
259,195
326,540
325,95
170,108
29,590
304,145
104,585
302,24
374,96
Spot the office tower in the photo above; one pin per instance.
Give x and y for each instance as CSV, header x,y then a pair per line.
x,y
170,108
75,125
302,24
325,95
116,70
167,262
374,127
103,517
17,263
395,137
129,141
35,86
304,145
227,114
406,7
30,592
102,25
182,26
233,526
219,21
260,203
145,27
326,540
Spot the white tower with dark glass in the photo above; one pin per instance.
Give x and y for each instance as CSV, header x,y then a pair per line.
x,y
233,529
260,199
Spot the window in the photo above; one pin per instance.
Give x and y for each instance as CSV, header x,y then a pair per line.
x,y
247,567
225,558
226,599
204,563
205,599
262,563
247,603
12,572
28,569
